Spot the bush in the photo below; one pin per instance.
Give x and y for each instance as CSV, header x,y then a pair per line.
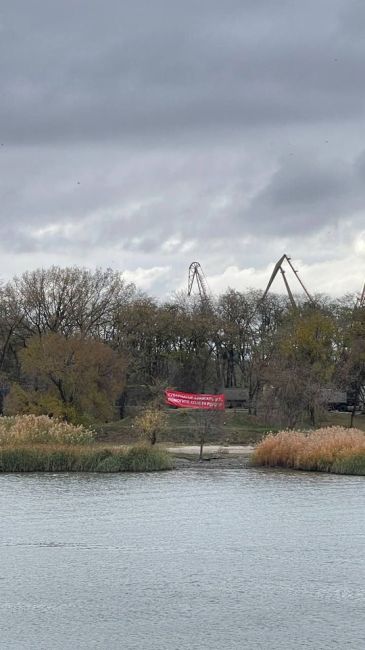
x,y
332,449
151,423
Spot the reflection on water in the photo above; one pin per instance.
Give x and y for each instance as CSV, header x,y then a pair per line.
x,y
183,560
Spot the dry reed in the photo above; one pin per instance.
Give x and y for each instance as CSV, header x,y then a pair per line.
x,y
40,429
332,449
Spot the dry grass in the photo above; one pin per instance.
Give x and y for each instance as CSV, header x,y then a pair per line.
x,y
40,429
332,449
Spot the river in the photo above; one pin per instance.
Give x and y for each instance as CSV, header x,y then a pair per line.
x,y
190,559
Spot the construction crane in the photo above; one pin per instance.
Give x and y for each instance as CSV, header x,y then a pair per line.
x,y
360,302
196,275
279,267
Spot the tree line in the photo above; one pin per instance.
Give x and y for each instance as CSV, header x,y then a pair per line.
x,y
82,344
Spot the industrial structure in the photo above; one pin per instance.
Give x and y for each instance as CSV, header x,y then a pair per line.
x,y
279,267
196,275
238,397
361,299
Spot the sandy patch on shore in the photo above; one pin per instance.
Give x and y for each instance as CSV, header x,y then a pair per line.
x,y
235,450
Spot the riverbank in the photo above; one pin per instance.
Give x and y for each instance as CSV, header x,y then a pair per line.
x,y
211,450
222,463
238,428
214,457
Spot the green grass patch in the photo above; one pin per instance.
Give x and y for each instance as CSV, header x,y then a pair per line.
x,y
354,464
238,427
93,458
336,419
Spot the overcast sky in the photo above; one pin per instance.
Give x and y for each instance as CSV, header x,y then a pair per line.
x,y
143,135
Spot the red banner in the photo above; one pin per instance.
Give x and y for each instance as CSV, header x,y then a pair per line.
x,y
194,400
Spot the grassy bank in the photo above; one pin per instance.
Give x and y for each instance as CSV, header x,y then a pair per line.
x,y
63,458
333,449
238,428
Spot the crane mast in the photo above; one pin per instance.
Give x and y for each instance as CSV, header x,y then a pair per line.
x,y
361,299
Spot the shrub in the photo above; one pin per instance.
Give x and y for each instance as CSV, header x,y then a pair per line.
x,y
151,423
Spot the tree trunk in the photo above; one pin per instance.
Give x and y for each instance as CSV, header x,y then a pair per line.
x,y
352,416
356,401
201,449
312,416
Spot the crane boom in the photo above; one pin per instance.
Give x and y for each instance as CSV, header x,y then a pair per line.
x,y
291,297
299,279
279,267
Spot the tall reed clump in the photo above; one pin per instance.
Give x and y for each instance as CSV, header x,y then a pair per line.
x,y
332,449
41,429
32,443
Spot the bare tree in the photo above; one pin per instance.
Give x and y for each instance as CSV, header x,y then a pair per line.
x,y
206,424
70,300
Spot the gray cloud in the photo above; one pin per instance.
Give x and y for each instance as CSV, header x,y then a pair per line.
x,y
142,133
305,195
92,70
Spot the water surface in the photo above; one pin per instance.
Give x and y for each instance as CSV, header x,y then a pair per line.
x,y
182,560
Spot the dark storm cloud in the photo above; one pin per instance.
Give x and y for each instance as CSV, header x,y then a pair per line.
x,y
305,195
91,70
